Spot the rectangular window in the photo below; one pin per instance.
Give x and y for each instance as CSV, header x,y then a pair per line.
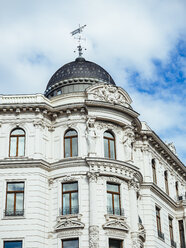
x,y
113,199
15,199
166,183
177,190
171,228
13,244
70,198
115,243
154,171
181,232
158,221
70,243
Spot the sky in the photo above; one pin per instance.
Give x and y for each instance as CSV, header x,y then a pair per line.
x,y
142,44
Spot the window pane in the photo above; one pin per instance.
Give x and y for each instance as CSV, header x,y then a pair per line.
x,y
70,243
10,203
66,204
109,203
67,148
13,143
19,202
113,243
108,134
112,149
74,203
113,187
116,205
70,187
13,244
15,186
21,146
74,147
106,153
18,132
71,133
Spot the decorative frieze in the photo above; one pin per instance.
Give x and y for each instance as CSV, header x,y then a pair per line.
x,y
92,176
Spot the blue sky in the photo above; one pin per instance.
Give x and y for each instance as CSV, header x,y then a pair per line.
x,y
142,44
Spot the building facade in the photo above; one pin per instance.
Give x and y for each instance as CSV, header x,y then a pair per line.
x,y
79,169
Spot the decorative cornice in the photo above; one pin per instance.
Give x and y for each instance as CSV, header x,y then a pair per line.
x,y
116,225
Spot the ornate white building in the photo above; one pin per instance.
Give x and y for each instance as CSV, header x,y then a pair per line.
x,y
78,169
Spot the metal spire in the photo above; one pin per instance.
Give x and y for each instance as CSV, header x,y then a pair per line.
x,y
78,32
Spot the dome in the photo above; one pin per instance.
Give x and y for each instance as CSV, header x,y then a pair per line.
x,y
81,73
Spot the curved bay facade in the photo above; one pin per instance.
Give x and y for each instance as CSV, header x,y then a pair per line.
x,y
78,169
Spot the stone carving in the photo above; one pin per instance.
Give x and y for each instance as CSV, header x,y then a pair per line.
x,y
94,237
66,224
92,176
133,183
142,232
68,178
172,147
111,94
128,141
136,243
116,224
90,134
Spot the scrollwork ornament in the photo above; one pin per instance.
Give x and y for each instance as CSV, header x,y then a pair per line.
x,y
134,184
94,236
93,176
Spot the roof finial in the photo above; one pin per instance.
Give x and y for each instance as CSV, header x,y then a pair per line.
x,y
79,38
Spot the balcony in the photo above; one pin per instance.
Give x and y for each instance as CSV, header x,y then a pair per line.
x,y
161,235
115,211
8,212
68,210
173,243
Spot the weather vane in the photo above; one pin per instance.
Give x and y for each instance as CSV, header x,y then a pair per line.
x,y
78,32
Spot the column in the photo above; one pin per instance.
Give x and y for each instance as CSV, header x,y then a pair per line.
x,y
93,227
133,188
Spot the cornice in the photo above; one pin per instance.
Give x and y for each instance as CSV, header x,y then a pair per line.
x,y
154,141
160,193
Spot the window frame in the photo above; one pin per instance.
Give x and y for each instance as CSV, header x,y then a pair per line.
x,y
70,192
70,137
114,193
177,189
108,143
170,219
17,141
154,176
14,192
166,182
119,240
158,218
181,233
12,241
62,246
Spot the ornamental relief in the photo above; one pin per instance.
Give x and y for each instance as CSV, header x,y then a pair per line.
x,y
65,224
94,237
117,225
109,93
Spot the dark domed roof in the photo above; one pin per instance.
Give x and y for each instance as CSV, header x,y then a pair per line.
x,y
80,68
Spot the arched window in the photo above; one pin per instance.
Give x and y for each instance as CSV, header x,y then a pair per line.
x,y
109,145
70,144
17,143
154,171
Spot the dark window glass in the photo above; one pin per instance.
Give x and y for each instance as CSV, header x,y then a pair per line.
x,y
15,199
158,220
171,228
70,198
114,243
154,171
113,199
181,232
12,244
177,190
17,143
109,145
166,182
73,243
71,144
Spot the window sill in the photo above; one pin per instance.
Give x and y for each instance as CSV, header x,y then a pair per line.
x,y
13,217
115,217
70,216
161,239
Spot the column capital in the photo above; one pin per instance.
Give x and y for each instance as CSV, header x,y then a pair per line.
x,y
134,184
92,176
